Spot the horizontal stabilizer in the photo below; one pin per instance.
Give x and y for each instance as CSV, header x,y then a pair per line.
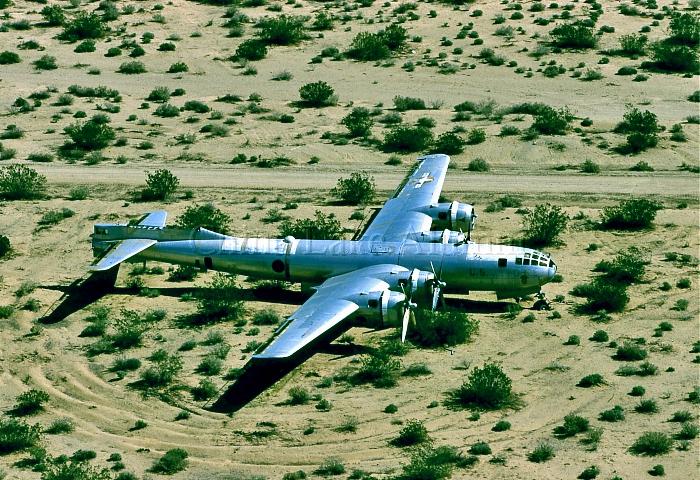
x,y
154,219
122,251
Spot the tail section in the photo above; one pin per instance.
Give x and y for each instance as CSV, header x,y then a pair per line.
x,y
113,245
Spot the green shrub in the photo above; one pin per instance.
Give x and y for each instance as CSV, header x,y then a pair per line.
x,y
602,295
251,50
652,444
265,317
298,396
615,414
391,408
444,327
480,448
317,94
359,189
282,30
45,62
85,25
90,135
647,406
627,267
478,165
633,44
637,391
591,380
403,104
675,58
205,390
217,303
16,435
358,122
30,402
589,473
549,121
163,372
159,95
573,424
330,466
368,46
589,166
166,110
632,214
19,182
476,136
132,68
377,368
160,185
86,46
689,431
413,433
407,139
7,58
573,35
205,215
599,336
5,248
486,387
642,129
123,364
59,426
178,67
173,461
542,453
53,15
544,224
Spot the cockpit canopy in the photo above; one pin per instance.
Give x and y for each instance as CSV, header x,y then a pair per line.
x,y
535,259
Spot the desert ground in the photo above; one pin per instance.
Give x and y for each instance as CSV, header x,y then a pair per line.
x,y
268,438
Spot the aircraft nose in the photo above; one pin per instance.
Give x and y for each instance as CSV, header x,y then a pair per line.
x,y
551,270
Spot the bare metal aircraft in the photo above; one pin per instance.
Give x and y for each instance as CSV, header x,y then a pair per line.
x,y
414,249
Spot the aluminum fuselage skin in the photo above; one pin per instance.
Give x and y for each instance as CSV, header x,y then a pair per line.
x,y
464,268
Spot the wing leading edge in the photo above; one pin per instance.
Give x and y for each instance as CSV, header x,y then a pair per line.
x,y
401,215
334,301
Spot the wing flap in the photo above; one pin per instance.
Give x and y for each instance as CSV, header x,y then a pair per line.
x,y
123,250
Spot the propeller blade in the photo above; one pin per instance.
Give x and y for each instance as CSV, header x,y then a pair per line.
x,y
436,297
404,323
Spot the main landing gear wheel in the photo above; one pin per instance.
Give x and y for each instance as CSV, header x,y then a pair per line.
x,y
542,303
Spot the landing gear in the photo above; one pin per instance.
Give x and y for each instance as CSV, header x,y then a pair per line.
x,y
541,303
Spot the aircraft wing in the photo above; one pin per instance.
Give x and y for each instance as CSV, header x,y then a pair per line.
x,y
334,301
400,216
122,251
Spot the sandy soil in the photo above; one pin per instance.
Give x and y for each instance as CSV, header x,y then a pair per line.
x,y
104,408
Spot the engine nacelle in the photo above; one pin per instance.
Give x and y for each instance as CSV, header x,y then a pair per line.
x,y
380,309
444,236
455,215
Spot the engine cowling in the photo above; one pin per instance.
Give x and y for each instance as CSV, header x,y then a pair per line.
x,y
455,215
380,309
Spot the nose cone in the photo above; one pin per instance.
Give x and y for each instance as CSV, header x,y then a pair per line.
x,y
551,271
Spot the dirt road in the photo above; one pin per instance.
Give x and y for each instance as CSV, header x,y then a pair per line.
x,y
673,184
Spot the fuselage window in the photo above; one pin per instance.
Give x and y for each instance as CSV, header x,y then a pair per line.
x,y
502,262
518,261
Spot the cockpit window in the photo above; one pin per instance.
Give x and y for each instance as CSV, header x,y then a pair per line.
x,y
526,261
518,261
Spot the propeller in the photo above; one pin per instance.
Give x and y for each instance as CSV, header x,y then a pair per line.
x,y
438,285
409,307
